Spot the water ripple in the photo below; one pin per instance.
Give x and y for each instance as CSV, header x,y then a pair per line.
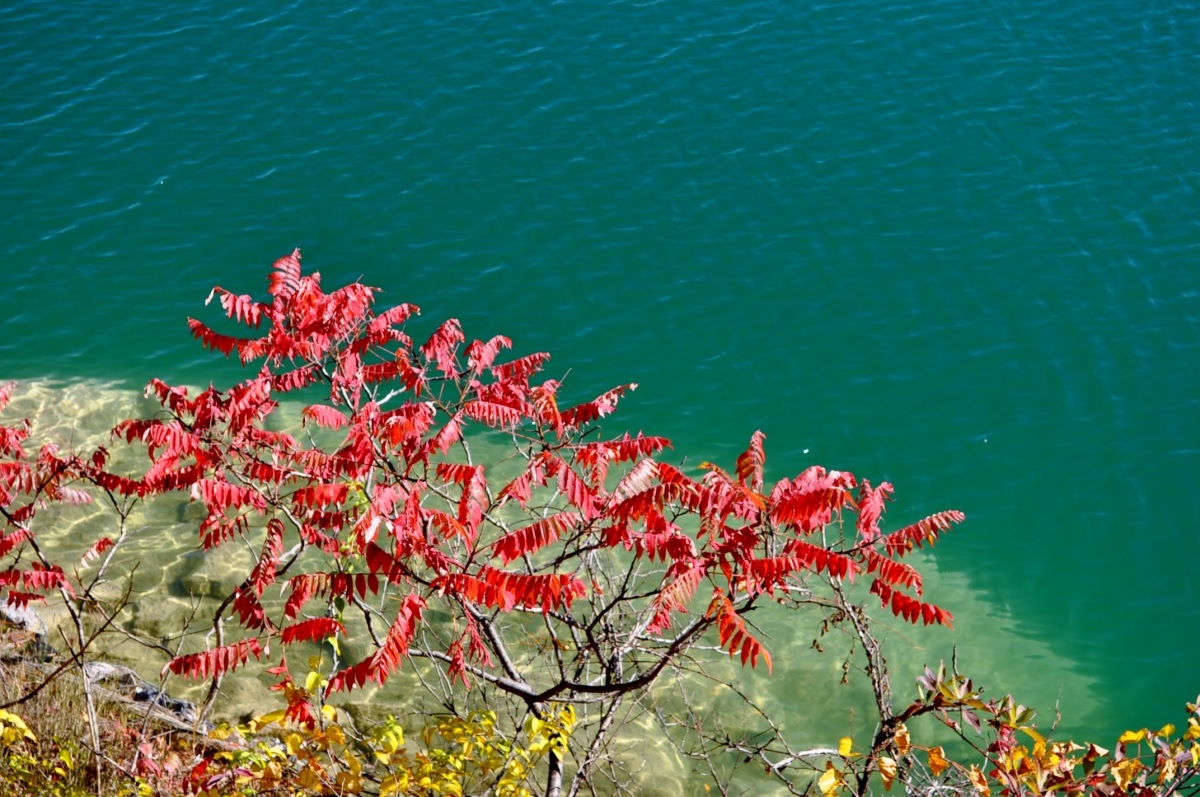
x,y
884,233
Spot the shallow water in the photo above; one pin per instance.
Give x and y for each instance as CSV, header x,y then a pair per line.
x,y
175,586
949,245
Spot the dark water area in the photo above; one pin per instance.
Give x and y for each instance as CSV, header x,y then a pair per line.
x,y
951,245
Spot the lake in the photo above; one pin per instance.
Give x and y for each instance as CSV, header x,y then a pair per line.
x,y
949,245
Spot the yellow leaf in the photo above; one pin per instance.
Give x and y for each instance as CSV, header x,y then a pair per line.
x,y
334,732
829,780
535,727
902,740
844,747
1039,741
294,743
308,779
979,781
1123,771
1131,737
221,732
1166,730
258,723
887,770
937,761
393,784
312,681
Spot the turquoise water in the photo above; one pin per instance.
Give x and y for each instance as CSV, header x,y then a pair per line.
x,y
947,244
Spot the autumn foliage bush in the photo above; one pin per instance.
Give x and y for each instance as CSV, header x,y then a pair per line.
x,y
378,523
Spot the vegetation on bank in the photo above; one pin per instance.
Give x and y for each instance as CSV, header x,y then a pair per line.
x,y
552,602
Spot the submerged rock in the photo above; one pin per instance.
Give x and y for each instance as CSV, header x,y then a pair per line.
x,y
25,641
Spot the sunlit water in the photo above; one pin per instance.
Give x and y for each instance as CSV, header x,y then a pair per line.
x,y
951,245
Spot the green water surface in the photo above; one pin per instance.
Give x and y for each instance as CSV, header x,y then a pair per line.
x,y
950,245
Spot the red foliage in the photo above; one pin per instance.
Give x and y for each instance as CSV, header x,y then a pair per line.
x,y
751,463
397,509
731,630
925,530
596,408
314,630
531,538
910,608
217,661
871,502
387,659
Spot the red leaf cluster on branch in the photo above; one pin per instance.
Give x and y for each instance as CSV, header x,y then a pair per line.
x,y
396,511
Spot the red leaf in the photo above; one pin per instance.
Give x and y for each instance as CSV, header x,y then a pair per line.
x,y
11,540
535,536
240,308
296,379
387,659
21,600
442,346
304,587
654,498
474,497
596,457
44,578
925,530
675,594
577,492
375,373
219,496
750,464
412,376
894,573
99,547
838,565
910,608
250,610
640,478
870,508
549,591
494,414
325,416
286,280
215,662
596,408
810,508
445,438
521,488
522,367
118,484
321,495
263,574
481,355
212,340
731,630
475,590
766,574
317,629
393,316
